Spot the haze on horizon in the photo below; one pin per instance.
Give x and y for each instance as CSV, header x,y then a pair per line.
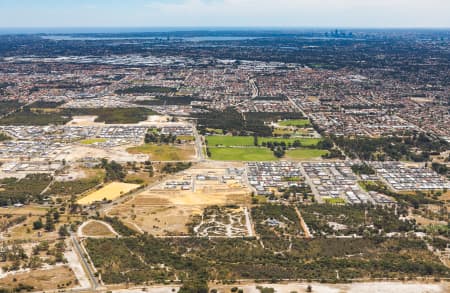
x,y
225,13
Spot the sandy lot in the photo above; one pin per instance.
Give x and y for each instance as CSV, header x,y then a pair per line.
x,y
110,192
44,279
95,228
161,211
118,154
372,287
83,121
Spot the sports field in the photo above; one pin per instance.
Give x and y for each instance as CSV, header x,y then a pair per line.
x,y
303,141
225,140
109,192
305,154
241,154
221,140
295,122
165,152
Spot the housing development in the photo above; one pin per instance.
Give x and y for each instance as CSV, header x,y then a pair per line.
x,y
243,161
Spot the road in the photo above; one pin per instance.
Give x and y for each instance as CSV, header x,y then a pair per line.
x,y
297,106
314,190
255,89
198,145
85,263
303,224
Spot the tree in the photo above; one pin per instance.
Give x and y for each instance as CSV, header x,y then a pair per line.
x,y
49,223
63,232
37,225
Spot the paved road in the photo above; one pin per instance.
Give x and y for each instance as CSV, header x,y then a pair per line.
x,y
85,263
314,190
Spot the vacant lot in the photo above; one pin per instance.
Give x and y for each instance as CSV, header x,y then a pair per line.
x,y
241,154
96,229
109,192
165,152
39,280
162,211
305,154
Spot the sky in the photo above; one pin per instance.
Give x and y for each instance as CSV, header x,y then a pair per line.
x,y
225,13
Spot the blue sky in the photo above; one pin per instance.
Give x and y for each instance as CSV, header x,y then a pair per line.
x,y
242,13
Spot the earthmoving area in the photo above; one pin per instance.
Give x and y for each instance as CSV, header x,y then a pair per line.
x,y
168,208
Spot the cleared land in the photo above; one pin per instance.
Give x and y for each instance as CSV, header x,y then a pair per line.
x,y
305,154
162,211
165,152
109,192
96,229
55,278
241,154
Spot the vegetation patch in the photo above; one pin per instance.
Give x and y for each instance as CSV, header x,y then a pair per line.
x,y
35,117
115,115
295,122
332,219
8,106
307,142
199,260
165,152
23,191
305,154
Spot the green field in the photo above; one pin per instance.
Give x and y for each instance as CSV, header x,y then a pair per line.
x,y
295,122
165,152
305,154
303,141
92,141
221,140
241,154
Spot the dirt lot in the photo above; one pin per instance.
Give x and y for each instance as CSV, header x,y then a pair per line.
x,y
24,231
118,154
110,192
161,211
44,279
372,287
97,229
26,210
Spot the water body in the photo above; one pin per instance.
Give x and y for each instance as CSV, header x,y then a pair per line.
x,y
189,39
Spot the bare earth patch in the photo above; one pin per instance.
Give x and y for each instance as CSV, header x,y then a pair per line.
x,y
96,229
45,279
